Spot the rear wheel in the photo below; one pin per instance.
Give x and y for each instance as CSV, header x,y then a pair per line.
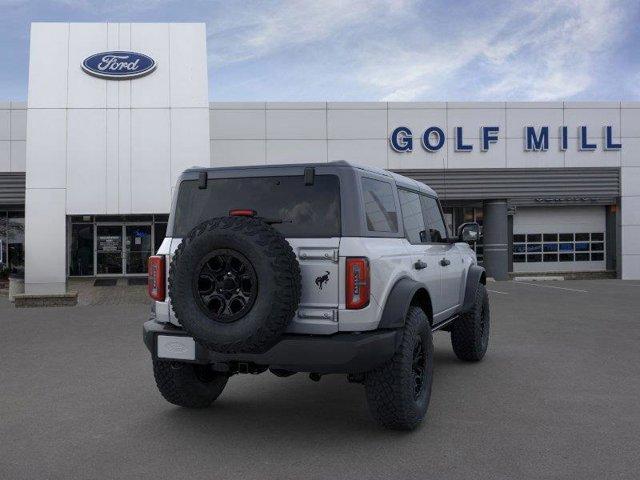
x,y
399,391
187,384
470,332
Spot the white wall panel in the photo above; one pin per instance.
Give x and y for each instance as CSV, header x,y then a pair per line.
x,y
630,119
86,91
150,160
48,62
226,153
472,119
45,241
5,124
113,43
517,157
296,124
238,124
18,124
124,86
86,161
18,156
418,120
296,151
124,161
189,140
365,152
630,153
594,119
188,56
630,211
518,118
598,158
111,161
356,124
47,148
5,156
631,241
152,91
630,181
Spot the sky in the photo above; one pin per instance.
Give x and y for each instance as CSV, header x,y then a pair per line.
x,y
377,50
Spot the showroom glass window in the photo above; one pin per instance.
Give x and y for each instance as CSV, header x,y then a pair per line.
x,y
12,239
81,251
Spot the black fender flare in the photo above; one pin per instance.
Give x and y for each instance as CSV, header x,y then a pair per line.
x,y
475,276
398,303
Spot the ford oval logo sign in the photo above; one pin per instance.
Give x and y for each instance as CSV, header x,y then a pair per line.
x,y
118,65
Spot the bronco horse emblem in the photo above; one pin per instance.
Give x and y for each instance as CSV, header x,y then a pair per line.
x,y
322,279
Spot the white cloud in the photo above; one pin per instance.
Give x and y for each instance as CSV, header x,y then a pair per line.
x,y
242,34
546,51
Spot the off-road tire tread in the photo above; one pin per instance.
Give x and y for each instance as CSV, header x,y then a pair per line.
x,y
466,331
181,387
390,399
288,278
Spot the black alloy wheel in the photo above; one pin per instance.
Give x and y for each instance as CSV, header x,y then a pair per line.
x,y
226,285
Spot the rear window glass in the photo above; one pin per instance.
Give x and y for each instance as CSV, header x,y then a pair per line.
x,y
305,210
379,206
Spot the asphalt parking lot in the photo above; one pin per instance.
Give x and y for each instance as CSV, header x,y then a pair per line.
x,y
558,396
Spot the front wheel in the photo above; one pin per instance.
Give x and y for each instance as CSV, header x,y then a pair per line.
x,y
188,384
470,332
398,392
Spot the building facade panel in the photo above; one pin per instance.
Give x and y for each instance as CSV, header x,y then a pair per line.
x,y
296,124
86,179
238,124
83,90
47,148
226,153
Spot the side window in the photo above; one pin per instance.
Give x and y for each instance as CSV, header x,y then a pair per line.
x,y
412,218
437,232
379,206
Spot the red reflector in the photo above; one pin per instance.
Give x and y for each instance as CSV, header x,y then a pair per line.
x,y
357,291
242,213
156,281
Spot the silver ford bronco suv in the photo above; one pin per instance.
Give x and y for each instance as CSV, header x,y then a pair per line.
x,y
318,268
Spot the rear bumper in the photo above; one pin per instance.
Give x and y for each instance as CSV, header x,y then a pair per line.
x,y
338,353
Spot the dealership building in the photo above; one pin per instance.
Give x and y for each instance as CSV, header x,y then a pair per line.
x,y
116,111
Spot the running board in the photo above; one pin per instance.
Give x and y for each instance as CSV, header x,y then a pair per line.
x,y
444,324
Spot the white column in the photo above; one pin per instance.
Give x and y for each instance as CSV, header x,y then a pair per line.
x,y
630,191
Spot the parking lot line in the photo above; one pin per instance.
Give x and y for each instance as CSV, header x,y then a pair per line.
x,y
496,291
551,286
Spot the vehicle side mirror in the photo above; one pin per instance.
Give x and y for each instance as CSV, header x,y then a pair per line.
x,y
469,232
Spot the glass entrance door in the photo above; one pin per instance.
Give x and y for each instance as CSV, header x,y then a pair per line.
x,y
109,250
138,248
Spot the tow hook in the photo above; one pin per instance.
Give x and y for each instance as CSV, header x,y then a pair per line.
x,y
315,377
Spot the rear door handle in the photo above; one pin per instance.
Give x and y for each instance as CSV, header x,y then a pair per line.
x,y
419,265
444,262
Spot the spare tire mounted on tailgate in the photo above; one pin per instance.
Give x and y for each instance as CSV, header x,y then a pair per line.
x,y
234,284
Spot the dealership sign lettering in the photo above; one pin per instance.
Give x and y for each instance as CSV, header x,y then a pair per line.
x,y
118,65
536,139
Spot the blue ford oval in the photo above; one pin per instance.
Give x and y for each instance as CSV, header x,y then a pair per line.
x,y
118,65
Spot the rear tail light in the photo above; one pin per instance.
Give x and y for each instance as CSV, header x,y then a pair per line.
x,y
357,282
156,281
242,212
